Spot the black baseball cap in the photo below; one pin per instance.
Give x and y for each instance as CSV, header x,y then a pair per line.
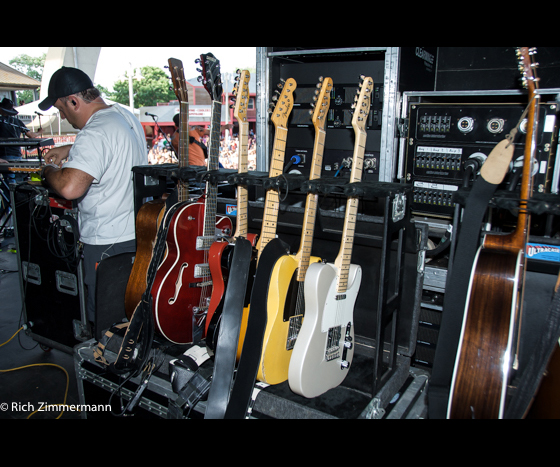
x,y
65,82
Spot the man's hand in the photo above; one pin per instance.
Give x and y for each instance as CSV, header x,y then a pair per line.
x,y
57,155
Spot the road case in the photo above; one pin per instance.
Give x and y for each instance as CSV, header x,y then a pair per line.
x,y
51,275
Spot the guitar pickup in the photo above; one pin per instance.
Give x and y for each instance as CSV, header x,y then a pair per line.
x,y
201,270
204,243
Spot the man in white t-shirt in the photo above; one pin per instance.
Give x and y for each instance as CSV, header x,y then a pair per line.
x,y
98,168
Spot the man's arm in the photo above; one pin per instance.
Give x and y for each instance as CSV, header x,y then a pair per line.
x,y
67,182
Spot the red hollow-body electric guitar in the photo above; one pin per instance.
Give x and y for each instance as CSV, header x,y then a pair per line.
x,y
182,286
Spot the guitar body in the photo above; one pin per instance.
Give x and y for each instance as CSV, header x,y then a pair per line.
x,y
285,309
484,356
177,289
219,260
311,373
148,221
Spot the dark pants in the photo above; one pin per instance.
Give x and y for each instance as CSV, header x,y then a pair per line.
x,y
93,254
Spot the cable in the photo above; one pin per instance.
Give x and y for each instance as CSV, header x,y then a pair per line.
x,y
16,333
40,364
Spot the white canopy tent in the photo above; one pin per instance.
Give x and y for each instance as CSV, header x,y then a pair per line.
x,y
84,58
50,119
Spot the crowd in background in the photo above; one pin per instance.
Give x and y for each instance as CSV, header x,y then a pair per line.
x,y
162,153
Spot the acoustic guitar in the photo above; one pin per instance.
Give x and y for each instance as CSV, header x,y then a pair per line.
x,y
283,103
286,304
487,351
151,214
221,253
324,349
182,285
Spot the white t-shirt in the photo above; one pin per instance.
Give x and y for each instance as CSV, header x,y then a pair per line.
x,y
109,145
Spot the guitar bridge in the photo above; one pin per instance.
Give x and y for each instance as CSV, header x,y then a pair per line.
x,y
333,344
293,331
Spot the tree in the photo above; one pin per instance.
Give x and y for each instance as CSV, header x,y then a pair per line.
x,y
32,67
151,89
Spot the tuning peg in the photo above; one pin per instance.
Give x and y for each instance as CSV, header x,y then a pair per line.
x,y
197,60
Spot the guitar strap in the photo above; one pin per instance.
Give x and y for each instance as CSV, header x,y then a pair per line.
x,y
456,296
202,146
532,375
241,394
492,174
228,334
138,337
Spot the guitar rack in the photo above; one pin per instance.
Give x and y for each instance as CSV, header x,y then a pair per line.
x,y
389,247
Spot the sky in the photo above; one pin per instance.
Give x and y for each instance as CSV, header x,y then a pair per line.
x,y
115,61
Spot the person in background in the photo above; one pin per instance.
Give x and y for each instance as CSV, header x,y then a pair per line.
x,y
12,127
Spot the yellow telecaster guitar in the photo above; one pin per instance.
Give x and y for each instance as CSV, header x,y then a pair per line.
x,y
324,349
280,114
286,305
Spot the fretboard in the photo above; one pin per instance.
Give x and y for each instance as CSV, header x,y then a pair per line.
x,y
272,204
304,253
242,194
213,164
183,156
344,258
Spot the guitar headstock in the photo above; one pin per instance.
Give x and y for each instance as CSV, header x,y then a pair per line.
x,y
284,103
528,67
362,103
322,103
178,78
241,94
210,76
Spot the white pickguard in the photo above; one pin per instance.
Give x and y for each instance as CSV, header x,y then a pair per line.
x,y
310,373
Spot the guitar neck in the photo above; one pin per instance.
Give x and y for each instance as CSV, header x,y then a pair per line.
x,y
516,240
213,164
344,258
183,156
272,203
242,193
304,254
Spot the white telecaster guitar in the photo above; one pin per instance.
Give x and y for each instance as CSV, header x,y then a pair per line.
x,y
324,349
